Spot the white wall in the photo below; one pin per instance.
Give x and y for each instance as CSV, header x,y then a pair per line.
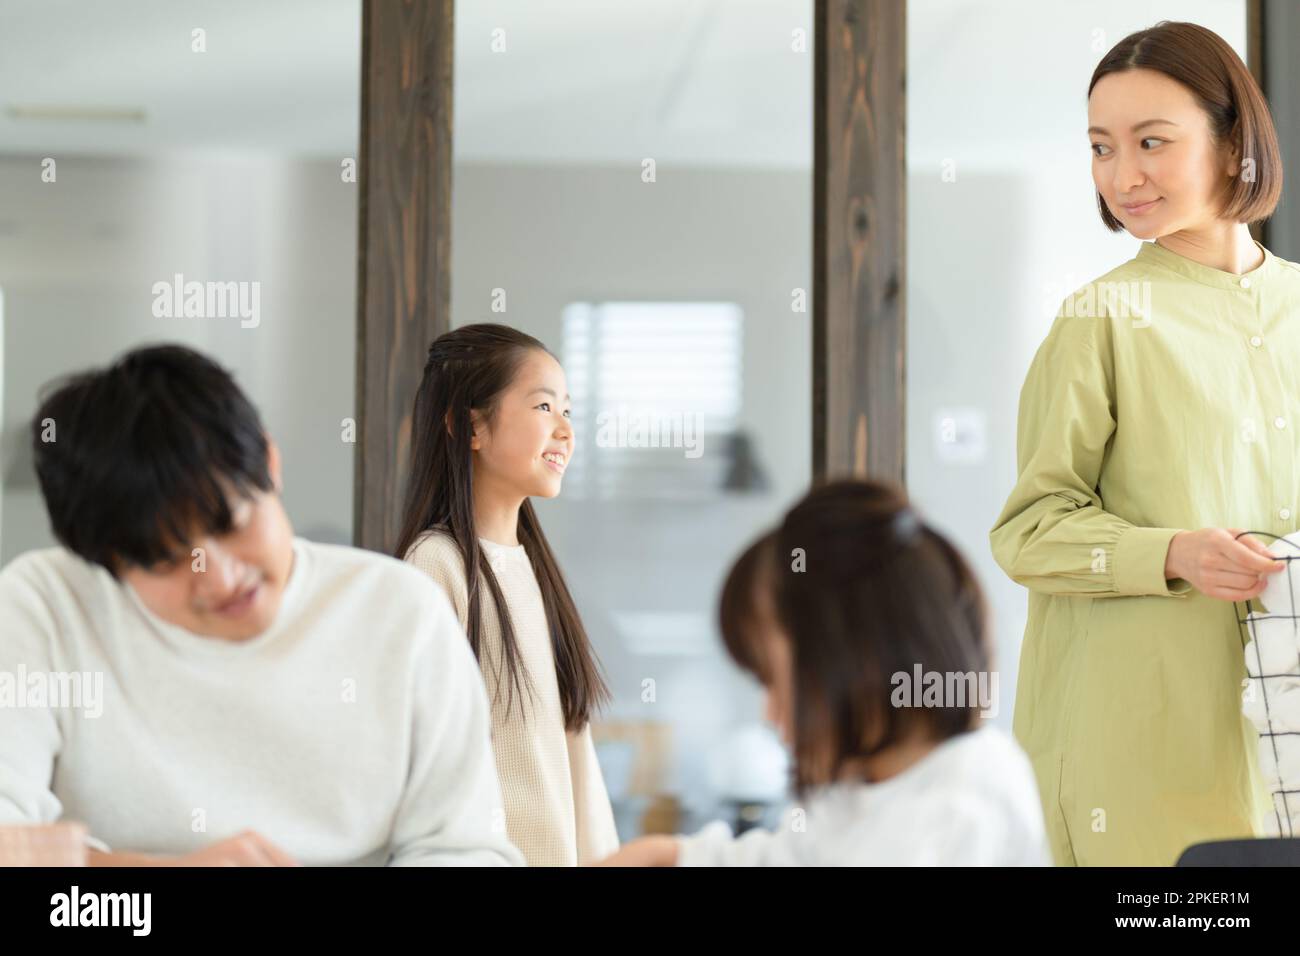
x,y
78,260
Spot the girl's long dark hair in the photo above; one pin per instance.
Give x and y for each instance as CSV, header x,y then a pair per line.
x,y
468,368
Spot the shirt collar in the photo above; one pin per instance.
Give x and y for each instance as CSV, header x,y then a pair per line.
x,y
1152,252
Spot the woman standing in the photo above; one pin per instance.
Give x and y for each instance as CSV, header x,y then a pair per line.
x,y
1160,417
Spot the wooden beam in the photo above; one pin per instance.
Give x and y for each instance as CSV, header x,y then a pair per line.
x,y
1255,40
859,230
404,240
1257,63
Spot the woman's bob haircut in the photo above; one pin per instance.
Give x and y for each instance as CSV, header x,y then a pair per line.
x,y
1200,60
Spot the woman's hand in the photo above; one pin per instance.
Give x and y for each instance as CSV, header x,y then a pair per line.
x,y
1218,563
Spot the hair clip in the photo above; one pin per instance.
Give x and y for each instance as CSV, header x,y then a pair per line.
x,y
906,526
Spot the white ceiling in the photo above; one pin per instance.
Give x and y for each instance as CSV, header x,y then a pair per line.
x,y
278,76
585,81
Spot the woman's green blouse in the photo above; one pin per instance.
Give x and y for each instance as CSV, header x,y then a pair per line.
x,y
1165,397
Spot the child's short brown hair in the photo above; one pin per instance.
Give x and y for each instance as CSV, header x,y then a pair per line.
x,y
866,591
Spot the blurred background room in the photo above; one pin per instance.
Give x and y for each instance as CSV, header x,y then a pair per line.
x,y
632,183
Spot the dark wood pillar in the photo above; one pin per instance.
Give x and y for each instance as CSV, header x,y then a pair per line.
x,y
404,239
859,209
1257,63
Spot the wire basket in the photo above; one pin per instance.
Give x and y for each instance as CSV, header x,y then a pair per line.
x,y
1270,642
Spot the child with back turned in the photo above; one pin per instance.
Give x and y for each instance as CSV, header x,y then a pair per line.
x,y
834,612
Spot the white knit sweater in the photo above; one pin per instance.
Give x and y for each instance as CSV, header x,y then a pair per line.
x,y
557,809
971,801
352,731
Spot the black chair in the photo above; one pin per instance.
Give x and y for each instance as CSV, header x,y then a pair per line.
x,y
1267,851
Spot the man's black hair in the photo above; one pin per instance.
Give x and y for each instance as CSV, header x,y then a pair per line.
x,y
135,458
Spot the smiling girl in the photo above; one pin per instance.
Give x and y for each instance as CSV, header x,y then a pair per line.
x,y
1148,438
490,431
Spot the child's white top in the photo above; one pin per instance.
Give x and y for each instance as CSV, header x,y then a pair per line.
x,y
557,808
972,801
353,731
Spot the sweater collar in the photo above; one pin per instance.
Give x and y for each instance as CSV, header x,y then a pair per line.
x,y
502,556
1245,283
